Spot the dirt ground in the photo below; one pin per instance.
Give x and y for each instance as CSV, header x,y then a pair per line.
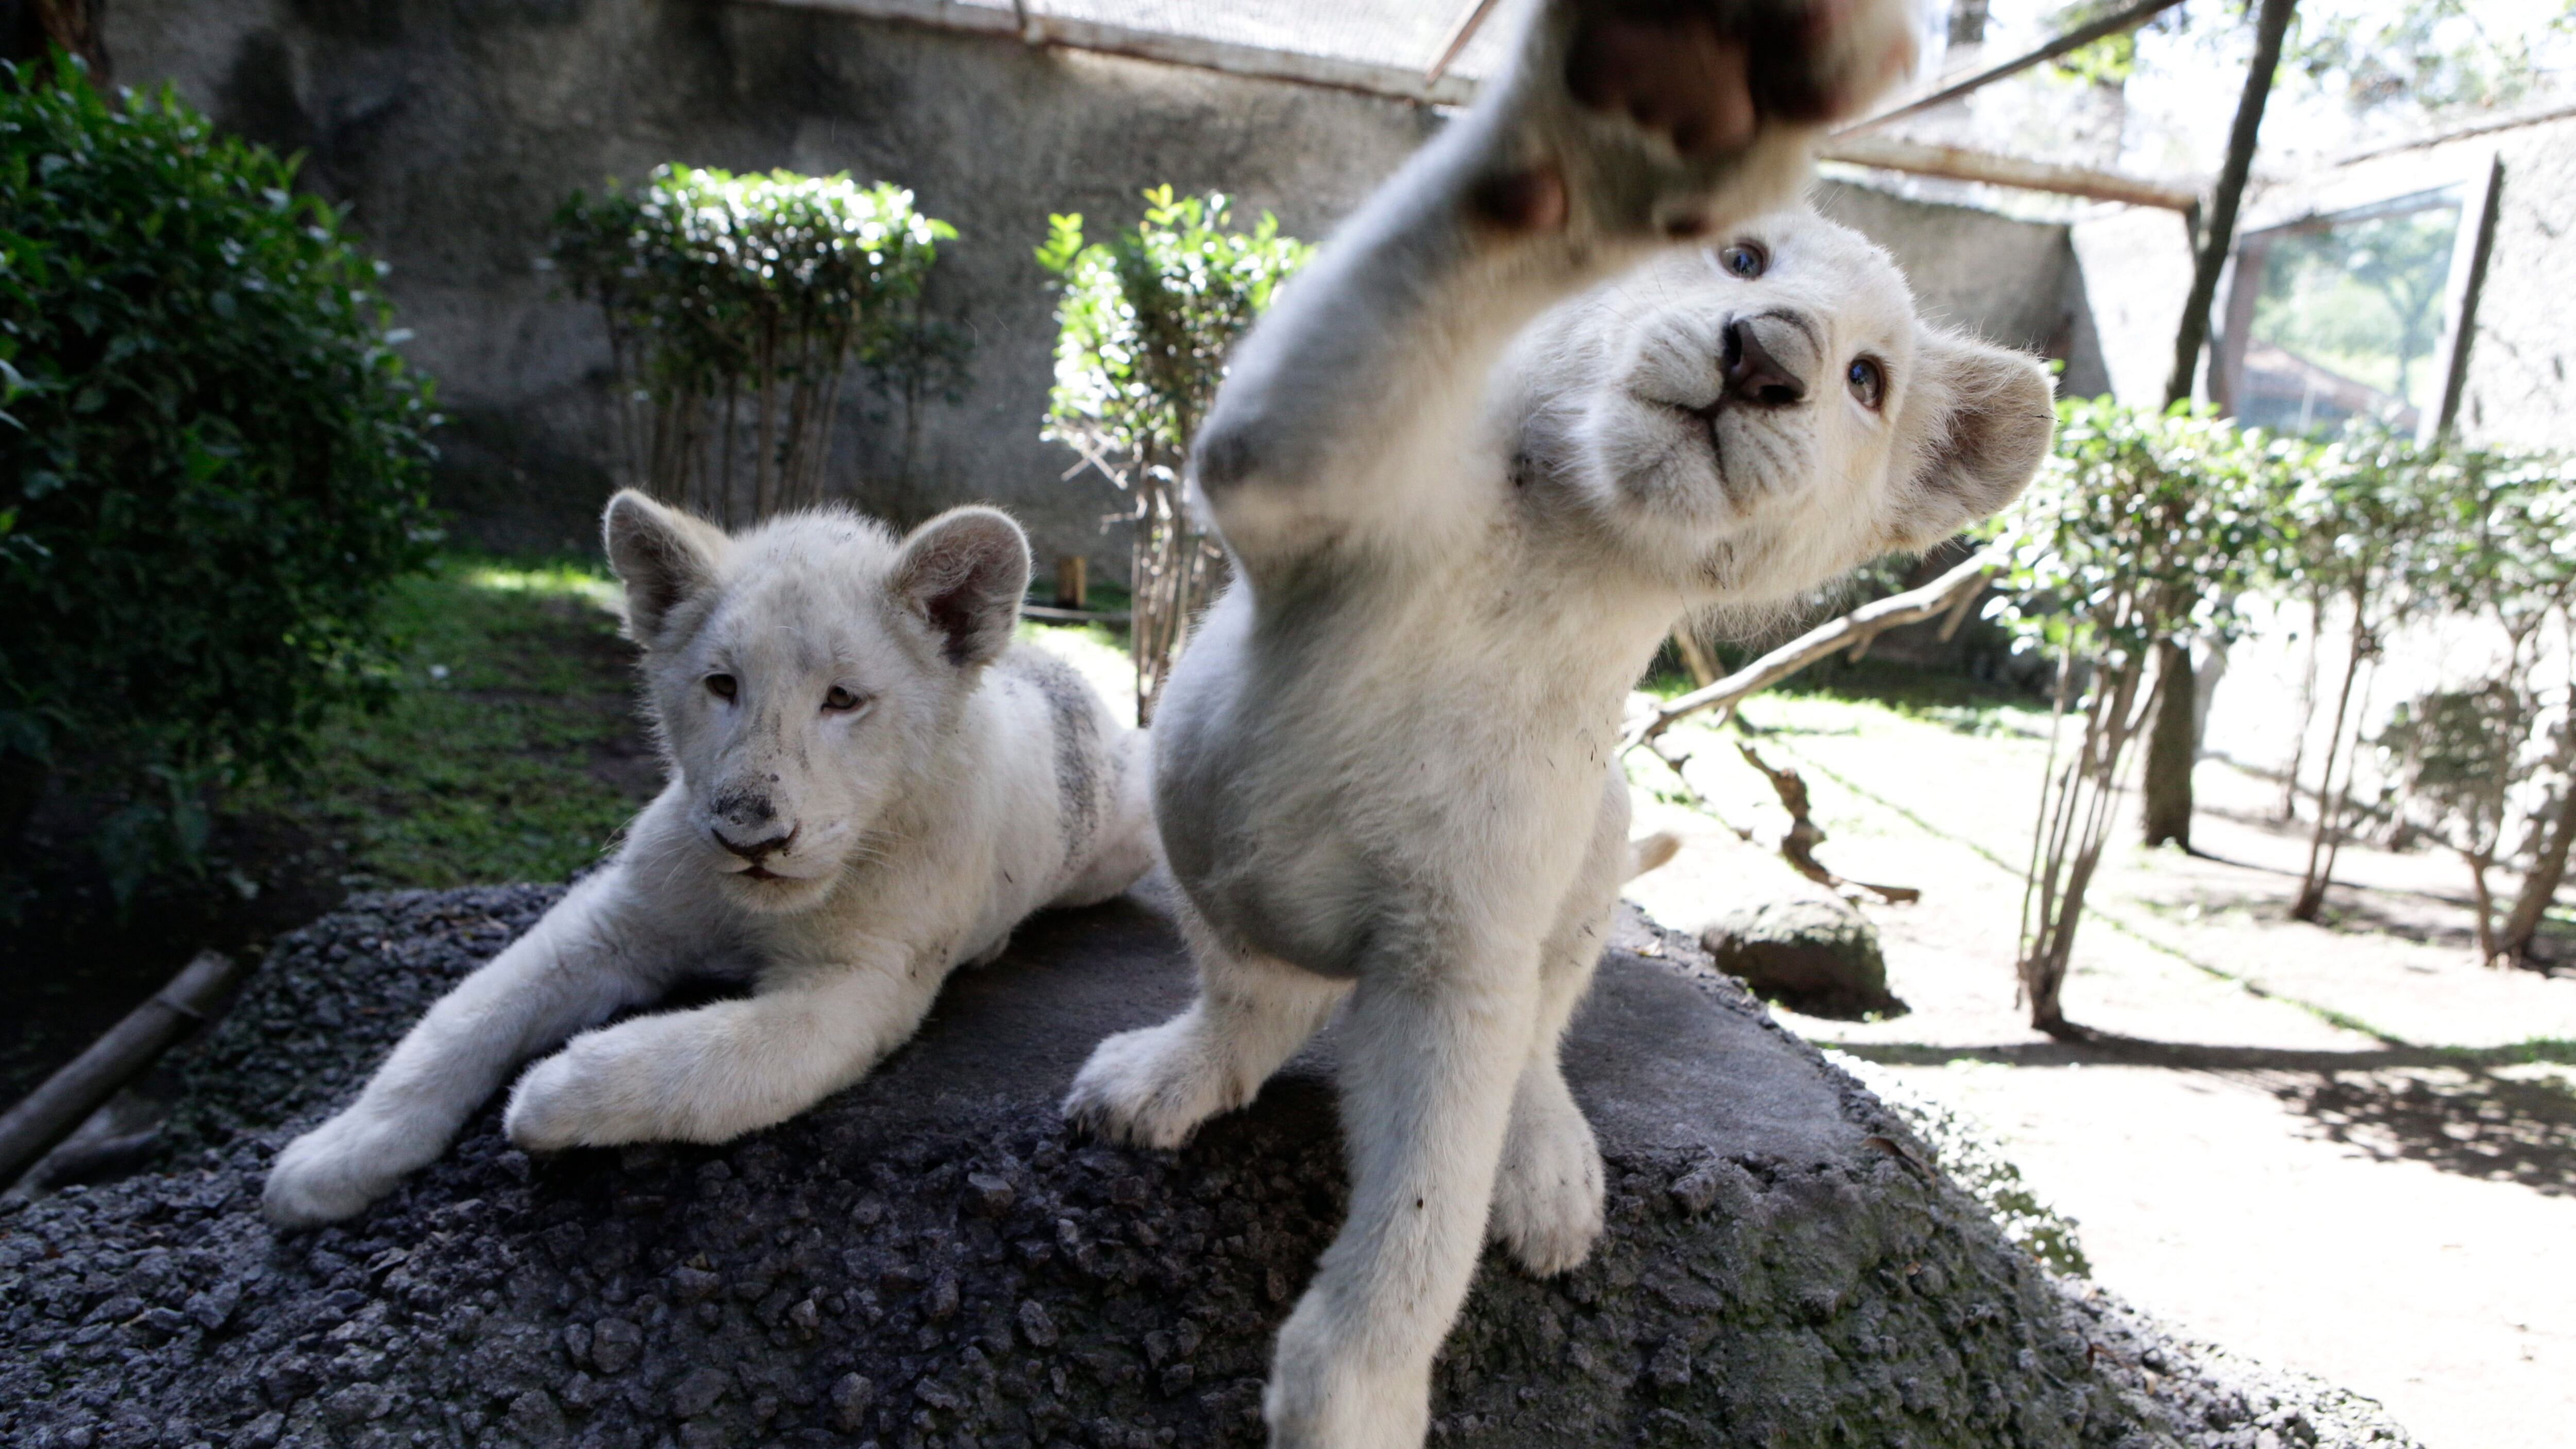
x,y
2279,1147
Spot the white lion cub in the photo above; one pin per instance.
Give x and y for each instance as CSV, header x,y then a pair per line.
x,y
869,785
1552,387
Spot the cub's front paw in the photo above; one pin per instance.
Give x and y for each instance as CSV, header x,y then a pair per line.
x,y
330,1173
1150,1088
1547,1198
1333,1386
581,1098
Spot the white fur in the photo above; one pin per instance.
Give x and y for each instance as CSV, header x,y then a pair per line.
x,y
969,783
1462,522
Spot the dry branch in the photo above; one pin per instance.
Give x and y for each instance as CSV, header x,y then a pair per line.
x,y
1798,846
1947,598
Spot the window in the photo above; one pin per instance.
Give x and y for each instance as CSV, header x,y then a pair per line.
x,y
2351,313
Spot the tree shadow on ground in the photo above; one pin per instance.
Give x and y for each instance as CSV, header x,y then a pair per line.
x,y
2377,911
2473,1123
2468,1112
2348,910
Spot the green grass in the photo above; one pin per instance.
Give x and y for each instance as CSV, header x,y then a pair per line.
x,y
511,749
2554,1051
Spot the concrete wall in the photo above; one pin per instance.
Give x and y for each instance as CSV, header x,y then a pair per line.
x,y
2524,342
2007,281
453,128
2522,339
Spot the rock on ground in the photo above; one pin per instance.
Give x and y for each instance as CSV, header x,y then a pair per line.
x,y
1816,956
929,1259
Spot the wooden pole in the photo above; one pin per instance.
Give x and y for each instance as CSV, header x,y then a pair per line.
x,y
1958,163
48,1114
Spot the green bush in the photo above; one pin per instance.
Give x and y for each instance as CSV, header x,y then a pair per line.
x,y
211,459
1142,333
735,304
2142,528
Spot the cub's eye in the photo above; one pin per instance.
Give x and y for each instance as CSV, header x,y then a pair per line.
x,y
722,686
1868,382
842,701
1744,259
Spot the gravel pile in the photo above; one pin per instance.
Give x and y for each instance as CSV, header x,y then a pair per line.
x,y
930,1260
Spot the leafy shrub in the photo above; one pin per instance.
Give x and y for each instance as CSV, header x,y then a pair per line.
x,y
211,459
2486,534
729,293
2141,528
1143,329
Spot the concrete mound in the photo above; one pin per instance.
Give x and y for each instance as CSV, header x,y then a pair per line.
x,y
929,1259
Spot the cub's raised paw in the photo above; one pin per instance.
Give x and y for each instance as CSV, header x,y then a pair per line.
x,y
1705,74
1150,1088
1547,1199
1673,118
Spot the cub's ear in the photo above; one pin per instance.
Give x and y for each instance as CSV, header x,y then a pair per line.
x,y
663,556
964,573
1977,424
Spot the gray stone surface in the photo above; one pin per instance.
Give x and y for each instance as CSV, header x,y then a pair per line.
x,y
929,1259
1815,956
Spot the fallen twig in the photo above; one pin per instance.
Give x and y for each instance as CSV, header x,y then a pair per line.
x,y
1798,846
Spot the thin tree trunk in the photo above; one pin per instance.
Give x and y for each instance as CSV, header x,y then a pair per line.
x,y
2342,828
2540,887
2307,710
2172,747
732,449
2484,900
2312,887
78,26
2271,27
831,420
764,470
657,472
2043,831
2081,820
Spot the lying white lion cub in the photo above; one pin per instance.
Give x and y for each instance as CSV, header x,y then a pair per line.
x,y
869,785
1483,453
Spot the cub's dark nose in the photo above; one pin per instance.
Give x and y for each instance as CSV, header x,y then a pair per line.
x,y
1756,376
755,851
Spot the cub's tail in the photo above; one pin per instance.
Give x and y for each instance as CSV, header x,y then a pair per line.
x,y
1651,851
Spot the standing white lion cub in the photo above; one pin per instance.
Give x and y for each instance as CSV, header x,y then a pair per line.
x,y
869,785
1549,389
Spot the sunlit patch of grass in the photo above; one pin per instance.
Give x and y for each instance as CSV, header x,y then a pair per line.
x,y
1096,652
555,580
2556,1051
510,749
